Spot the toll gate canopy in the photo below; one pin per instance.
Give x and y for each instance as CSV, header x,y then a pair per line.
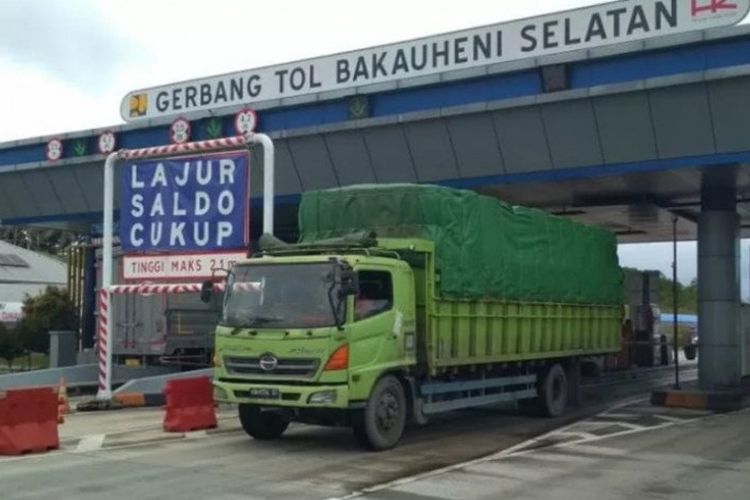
x,y
617,135
626,120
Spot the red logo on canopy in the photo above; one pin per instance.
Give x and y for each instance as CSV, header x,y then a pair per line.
x,y
711,6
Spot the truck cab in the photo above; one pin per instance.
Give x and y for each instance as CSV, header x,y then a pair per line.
x,y
308,335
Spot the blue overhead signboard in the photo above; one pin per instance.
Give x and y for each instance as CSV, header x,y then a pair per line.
x,y
188,204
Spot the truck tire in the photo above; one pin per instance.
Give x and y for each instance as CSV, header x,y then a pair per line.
x,y
553,395
380,425
553,392
262,425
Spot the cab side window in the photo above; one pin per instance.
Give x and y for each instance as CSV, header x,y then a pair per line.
x,y
375,294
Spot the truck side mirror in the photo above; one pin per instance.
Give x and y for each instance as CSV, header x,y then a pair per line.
x,y
349,282
207,289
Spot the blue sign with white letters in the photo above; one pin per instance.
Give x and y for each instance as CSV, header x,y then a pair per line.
x,y
189,204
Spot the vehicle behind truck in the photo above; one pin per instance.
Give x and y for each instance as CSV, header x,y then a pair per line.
x,y
400,302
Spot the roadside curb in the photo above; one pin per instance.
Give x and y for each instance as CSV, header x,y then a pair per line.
x,y
635,374
150,435
139,399
695,399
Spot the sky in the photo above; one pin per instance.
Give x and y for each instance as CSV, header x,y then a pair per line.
x,y
66,64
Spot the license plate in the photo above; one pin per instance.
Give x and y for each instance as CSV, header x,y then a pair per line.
x,y
264,393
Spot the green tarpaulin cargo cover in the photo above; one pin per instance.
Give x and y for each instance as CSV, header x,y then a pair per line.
x,y
484,248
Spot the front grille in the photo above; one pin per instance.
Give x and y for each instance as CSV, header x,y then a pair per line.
x,y
286,367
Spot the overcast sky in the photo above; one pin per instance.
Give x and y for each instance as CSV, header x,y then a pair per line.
x,y
66,64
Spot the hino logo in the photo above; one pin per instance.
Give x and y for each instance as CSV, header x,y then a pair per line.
x,y
268,362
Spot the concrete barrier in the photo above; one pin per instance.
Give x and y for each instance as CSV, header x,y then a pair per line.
x,y
77,376
149,391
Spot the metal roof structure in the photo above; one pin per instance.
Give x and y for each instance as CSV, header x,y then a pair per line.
x,y
25,272
623,145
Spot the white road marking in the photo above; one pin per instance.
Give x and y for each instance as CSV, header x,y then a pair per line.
x,y
583,436
90,443
620,415
196,434
669,419
597,450
561,458
628,425
527,448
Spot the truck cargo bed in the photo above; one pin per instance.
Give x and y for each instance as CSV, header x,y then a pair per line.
x,y
480,332
460,332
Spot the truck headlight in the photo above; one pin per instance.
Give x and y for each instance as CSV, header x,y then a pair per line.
x,y
322,397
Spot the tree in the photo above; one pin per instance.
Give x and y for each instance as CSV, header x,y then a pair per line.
x,y
50,241
10,345
687,295
52,310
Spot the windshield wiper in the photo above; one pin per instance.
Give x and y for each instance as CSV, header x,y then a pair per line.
x,y
252,323
264,320
243,322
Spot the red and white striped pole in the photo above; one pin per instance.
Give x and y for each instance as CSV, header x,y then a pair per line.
x,y
105,341
144,288
149,288
104,328
239,141
103,346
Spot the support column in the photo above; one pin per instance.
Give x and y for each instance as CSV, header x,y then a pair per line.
x,y
719,362
88,326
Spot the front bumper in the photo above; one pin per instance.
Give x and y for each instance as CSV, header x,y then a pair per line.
x,y
291,396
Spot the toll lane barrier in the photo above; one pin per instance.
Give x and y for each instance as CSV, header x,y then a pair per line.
x,y
28,421
189,405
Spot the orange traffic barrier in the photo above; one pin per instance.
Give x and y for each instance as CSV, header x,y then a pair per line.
x,y
189,405
63,405
28,421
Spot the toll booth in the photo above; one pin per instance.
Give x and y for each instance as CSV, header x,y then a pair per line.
x,y
650,346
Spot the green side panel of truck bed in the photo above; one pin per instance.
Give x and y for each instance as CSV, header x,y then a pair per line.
x,y
478,332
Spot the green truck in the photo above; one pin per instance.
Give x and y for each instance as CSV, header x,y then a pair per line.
x,y
400,302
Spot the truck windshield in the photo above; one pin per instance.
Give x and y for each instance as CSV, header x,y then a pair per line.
x,y
281,296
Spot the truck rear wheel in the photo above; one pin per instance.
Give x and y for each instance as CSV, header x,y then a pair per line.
x,y
553,394
263,425
381,424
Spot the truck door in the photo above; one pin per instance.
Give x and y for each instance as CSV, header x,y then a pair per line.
x,y
383,330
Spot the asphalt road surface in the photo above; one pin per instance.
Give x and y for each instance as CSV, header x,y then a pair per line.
x,y
124,455
634,452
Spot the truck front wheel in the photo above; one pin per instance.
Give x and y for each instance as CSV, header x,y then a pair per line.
x,y
381,424
262,424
